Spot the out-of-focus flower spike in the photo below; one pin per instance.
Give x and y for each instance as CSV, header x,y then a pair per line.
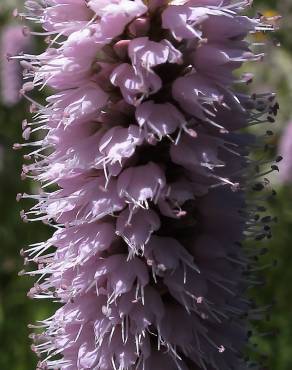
x,y
285,151
13,42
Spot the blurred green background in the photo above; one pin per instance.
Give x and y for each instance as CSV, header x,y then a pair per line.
x,y
17,311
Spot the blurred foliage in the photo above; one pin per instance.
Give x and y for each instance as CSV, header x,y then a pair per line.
x,y
278,289
276,73
16,310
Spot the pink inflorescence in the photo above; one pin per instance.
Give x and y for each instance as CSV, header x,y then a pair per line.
x,y
13,41
143,177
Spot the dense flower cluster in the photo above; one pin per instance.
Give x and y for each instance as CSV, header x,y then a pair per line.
x,y
143,177
13,41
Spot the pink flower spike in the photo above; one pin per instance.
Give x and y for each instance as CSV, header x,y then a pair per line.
x,y
143,173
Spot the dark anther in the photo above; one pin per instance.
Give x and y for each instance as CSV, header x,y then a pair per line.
x,y
260,237
266,219
258,186
275,263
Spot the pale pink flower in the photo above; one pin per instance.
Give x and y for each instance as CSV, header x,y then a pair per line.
x,y
143,175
